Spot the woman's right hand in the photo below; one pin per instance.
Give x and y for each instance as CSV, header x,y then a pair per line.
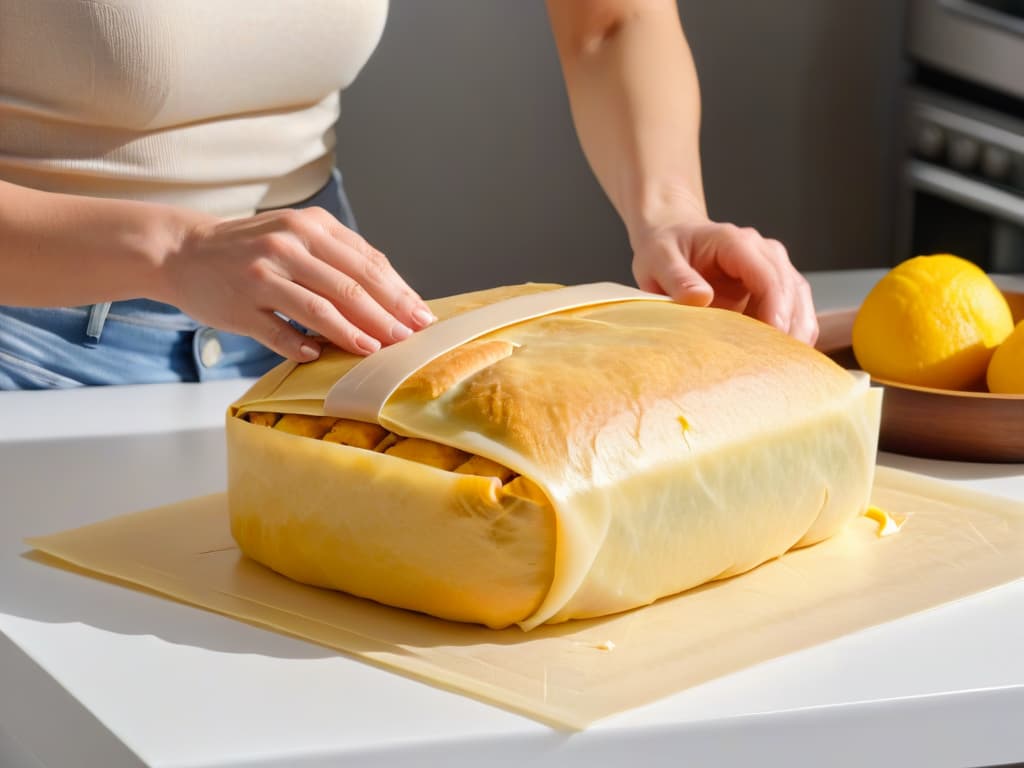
x,y
302,263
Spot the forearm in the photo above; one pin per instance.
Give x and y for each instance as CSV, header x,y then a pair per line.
x,y
66,250
240,275
635,102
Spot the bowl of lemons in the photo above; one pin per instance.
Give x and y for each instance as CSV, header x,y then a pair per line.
x,y
948,347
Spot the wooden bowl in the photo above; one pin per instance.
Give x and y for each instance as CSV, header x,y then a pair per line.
x,y
936,423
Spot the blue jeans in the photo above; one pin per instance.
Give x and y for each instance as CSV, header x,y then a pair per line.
x,y
139,342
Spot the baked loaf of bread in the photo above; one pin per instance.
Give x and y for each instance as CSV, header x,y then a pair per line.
x,y
575,465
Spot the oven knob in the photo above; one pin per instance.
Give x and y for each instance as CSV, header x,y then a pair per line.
x,y
963,153
929,141
996,162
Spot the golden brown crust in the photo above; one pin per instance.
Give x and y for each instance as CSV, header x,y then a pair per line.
x,y
357,434
428,452
373,437
305,426
575,375
263,418
478,465
436,378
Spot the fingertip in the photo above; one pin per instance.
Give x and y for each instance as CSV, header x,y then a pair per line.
x,y
308,351
808,313
806,330
423,317
693,293
366,344
276,334
400,332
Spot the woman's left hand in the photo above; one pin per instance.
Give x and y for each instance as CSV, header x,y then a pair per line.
x,y
700,262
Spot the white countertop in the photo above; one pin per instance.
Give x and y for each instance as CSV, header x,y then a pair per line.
x,y
94,674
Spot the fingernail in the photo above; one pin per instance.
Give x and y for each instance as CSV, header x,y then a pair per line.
x,y
423,317
309,352
400,331
367,344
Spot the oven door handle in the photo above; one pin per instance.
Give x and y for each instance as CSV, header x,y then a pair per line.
x,y
967,192
984,15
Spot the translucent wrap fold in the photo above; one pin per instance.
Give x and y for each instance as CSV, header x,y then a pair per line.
x,y
652,448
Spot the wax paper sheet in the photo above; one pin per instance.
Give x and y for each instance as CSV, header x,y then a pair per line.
x,y
953,543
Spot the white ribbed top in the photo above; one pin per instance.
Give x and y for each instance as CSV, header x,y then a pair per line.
x,y
224,106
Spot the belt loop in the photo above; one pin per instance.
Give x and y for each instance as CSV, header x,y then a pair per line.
x,y
97,318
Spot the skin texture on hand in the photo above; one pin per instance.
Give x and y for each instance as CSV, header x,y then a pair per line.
x,y
242,275
239,275
705,263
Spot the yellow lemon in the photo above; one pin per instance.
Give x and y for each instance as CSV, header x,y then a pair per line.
x,y
1006,369
932,321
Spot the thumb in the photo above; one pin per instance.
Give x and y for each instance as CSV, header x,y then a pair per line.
x,y
676,278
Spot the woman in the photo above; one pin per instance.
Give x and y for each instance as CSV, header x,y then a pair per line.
x,y
166,170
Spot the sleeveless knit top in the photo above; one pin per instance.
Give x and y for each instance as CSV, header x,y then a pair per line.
x,y
224,106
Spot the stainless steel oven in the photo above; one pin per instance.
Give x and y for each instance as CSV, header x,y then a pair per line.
x,y
964,169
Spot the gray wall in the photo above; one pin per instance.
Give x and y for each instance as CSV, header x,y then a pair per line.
x,y
458,151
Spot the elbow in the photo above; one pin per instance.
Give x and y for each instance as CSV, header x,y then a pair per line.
x,y
584,28
595,35
598,37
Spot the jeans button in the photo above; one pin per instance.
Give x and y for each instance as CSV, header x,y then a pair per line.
x,y
210,350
